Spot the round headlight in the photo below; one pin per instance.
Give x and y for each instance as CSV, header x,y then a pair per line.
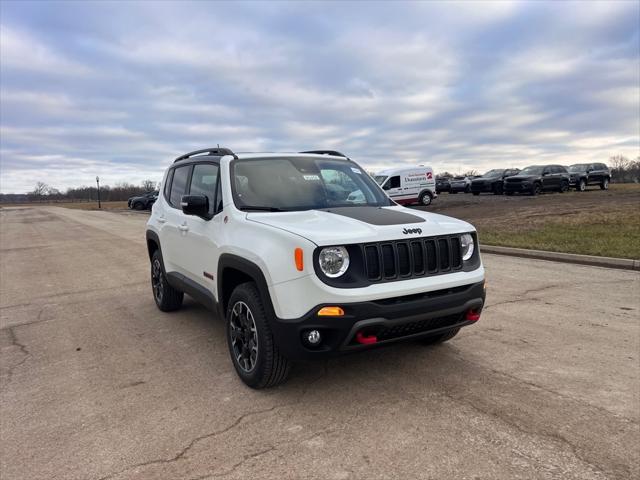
x,y
468,246
333,261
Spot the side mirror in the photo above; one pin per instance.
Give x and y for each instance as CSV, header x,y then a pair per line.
x,y
197,205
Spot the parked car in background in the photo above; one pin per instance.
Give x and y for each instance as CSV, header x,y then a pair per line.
x,y
143,202
443,184
408,185
460,184
536,179
583,174
492,181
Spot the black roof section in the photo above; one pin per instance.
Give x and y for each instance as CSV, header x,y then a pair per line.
x,y
217,151
327,152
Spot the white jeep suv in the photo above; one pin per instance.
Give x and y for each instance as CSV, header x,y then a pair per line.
x,y
301,269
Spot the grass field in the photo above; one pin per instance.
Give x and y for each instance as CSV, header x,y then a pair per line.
x,y
603,223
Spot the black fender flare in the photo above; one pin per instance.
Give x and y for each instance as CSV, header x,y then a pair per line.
x,y
151,235
425,191
250,269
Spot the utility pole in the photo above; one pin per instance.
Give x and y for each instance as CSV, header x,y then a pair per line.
x,y
98,183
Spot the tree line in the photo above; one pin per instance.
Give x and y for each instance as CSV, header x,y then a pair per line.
x,y
45,193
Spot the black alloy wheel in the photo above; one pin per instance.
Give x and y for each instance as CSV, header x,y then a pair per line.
x,y
244,336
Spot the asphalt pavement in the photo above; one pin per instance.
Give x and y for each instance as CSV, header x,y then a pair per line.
x,y
96,383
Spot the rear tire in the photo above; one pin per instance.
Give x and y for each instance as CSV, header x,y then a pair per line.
x,y
425,199
605,184
441,338
253,351
166,297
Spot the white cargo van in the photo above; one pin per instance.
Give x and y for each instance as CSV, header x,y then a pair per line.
x,y
407,185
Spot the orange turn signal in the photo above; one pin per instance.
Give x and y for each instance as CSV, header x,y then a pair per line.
x,y
330,312
299,259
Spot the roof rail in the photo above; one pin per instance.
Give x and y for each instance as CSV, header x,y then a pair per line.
x,y
218,151
327,152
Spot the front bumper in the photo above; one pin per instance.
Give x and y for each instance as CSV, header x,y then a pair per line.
x,y
482,187
388,320
517,187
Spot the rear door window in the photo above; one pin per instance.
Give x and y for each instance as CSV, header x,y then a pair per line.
x,y
179,185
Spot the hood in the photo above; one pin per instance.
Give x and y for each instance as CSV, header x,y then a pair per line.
x,y
485,179
346,225
520,178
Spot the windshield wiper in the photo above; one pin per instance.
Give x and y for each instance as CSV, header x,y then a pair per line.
x,y
257,208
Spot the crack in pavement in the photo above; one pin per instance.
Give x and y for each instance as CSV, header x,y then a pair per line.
x,y
182,454
23,349
557,437
252,456
522,297
194,441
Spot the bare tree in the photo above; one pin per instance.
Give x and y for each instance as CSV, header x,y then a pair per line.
x,y
39,191
149,185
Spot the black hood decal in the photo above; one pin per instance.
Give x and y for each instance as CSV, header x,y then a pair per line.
x,y
375,215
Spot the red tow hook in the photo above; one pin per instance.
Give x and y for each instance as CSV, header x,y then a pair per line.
x,y
472,316
366,339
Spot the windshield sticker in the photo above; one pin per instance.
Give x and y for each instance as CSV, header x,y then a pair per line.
x,y
356,170
311,177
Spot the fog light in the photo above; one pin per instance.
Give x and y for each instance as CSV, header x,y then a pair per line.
x,y
313,337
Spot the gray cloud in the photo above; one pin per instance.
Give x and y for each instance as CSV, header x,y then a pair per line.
x,y
120,89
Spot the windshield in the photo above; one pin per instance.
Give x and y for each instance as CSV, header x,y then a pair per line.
x,y
283,184
493,173
580,167
534,170
380,179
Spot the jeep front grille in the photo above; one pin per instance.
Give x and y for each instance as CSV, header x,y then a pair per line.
x,y
404,259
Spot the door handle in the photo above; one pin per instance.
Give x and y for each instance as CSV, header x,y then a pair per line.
x,y
183,227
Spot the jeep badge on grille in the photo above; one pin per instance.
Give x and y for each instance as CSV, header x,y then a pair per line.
x,y
407,231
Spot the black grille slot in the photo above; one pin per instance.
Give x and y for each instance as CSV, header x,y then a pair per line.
x,y
411,258
404,262
418,257
443,250
372,259
432,260
456,252
388,260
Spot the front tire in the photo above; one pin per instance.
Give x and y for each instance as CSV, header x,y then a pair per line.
x,y
166,297
605,184
138,206
564,186
582,185
425,199
536,189
253,351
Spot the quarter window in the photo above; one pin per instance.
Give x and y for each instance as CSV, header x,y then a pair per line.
x,y
203,182
179,185
167,185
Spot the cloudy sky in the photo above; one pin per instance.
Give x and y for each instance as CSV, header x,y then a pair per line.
x,y
120,89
